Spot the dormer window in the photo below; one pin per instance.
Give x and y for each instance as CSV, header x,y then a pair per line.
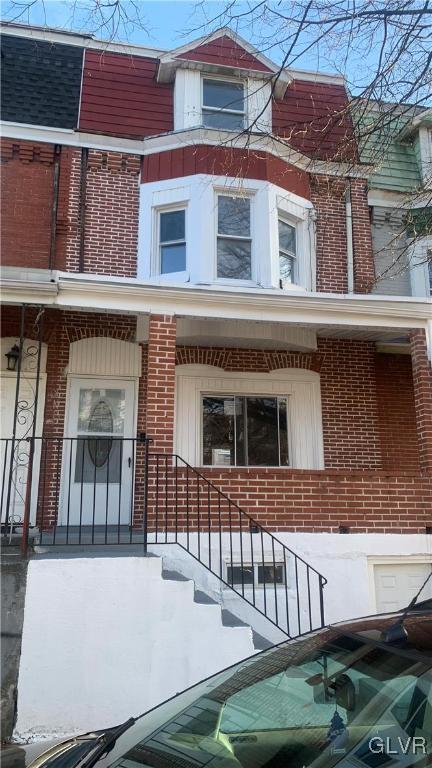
x,y
223,104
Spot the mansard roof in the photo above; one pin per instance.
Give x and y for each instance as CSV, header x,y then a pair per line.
x,y
40,82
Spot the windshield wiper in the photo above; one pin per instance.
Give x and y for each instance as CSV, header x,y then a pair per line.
x,y
396,633
106,742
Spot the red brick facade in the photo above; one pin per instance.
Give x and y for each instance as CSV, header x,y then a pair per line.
x,y
27,180
96,228
372,481
422,377
396,413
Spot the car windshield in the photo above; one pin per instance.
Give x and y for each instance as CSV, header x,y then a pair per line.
x,y
328,699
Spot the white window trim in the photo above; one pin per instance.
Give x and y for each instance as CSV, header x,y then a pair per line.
x,y
197,194
256,584
425,142
419,270
282,216
287,398
157,255
227,79
300,387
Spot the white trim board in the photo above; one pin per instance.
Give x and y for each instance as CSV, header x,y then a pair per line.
x,y
301,387
180,139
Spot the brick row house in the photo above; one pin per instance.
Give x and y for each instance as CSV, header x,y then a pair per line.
x,y
191,246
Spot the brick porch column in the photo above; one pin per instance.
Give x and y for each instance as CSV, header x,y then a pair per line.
x,y
161,383
422,380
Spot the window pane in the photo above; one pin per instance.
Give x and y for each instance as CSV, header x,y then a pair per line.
x,y
172,226
173,258
286,268
223,95
223,120
234,574
233,216
269,574
101,411
283,434
287,237
240,410
262,432
218,431
234,259
98,460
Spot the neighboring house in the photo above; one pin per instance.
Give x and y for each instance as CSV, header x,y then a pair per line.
x,y
400,193
188,253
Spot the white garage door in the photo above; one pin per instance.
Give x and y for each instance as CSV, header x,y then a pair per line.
x,y
396,584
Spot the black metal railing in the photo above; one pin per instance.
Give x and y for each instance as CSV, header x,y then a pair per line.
x,y
108,490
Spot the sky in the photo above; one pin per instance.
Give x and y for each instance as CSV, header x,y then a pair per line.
x,y
169,23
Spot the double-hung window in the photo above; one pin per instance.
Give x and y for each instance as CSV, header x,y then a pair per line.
x,y
287,253
245,431
223,105
234,243
172,241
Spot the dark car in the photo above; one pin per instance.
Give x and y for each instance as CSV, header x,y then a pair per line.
x,y
356,695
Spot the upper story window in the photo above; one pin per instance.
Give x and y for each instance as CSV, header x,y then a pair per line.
x,y
287,252
234,242
172,241
223,104
205,230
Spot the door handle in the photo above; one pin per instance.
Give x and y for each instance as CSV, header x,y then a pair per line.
x,y
129,462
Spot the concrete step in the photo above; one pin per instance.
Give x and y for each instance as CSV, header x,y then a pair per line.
x,y
228,618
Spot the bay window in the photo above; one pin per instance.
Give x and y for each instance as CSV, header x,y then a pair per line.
x,y
172,241
287,252
223,105
245,430
234,243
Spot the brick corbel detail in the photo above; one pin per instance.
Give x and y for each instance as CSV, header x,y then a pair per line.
x,y
422,379
27,151
248,360
114,161
161,359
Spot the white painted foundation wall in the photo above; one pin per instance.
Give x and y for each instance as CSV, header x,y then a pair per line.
x,y
105,638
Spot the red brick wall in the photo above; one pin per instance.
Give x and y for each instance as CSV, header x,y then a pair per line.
x,y
112,208
302,500
111,219
422,376
396,413
26,203
161,360
349,404
328,197
364,265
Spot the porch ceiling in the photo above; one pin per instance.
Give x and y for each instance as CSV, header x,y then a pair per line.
x,y
370,317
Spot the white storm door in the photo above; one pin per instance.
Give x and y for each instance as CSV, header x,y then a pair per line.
x,y
98,471
397,583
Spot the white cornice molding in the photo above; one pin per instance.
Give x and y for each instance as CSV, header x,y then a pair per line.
x,y
127,295
255,142
65,37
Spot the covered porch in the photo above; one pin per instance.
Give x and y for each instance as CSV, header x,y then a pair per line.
x,y
312,413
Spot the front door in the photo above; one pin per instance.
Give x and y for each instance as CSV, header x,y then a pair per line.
x,y
98,463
